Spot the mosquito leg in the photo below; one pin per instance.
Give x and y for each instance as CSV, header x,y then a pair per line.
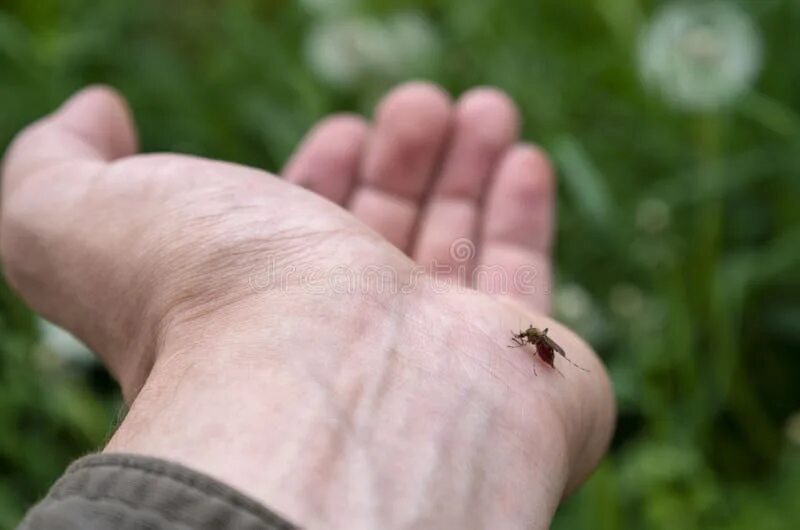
x,y
564,355
575,365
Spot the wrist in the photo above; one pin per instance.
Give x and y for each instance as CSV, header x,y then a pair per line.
x,y
378,408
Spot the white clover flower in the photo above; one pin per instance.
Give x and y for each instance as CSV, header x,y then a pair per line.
x,y
700,55
346,50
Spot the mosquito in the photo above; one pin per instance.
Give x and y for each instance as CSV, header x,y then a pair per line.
x,y
545,347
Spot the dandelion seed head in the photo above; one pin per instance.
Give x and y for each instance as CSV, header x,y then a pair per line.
x,y
700,55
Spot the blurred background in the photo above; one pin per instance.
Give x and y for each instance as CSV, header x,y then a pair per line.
x,y
675,127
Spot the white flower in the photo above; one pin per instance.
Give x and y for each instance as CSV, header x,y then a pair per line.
x,y
347,50
700,55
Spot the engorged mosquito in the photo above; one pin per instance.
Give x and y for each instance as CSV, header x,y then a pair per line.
x,y
545,347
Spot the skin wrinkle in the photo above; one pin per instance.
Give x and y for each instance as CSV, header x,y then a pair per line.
x,y
473,496
386,371
343,427
444,456
47,165
139,281
292,447
369,408
361,452
339,439
387,342
434,342
474,333
134,310
90,170
378,391
83,138
498,438
290,458
217,267
286,461
395,355
155,392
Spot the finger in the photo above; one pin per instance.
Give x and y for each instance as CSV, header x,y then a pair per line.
x,y
411,128
485,126
327,161
517,229
94,125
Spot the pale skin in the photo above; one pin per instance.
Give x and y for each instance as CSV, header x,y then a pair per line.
x,y
376,409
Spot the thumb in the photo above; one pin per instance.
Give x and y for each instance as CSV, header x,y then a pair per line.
x,y
94,125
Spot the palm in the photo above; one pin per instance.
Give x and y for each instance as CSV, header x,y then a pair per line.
x,y
429,176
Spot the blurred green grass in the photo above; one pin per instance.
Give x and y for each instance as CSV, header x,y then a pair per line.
x,y
679,232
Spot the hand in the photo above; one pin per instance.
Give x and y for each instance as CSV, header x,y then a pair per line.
x,y
366,408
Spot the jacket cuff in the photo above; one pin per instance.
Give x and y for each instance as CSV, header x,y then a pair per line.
x,y
104,491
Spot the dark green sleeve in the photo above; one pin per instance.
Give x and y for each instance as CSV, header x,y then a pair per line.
x,y
114,491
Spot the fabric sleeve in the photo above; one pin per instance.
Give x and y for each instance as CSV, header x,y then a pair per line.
x,y
129,492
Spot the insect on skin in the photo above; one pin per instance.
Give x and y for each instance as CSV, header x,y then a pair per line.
x,y
545,347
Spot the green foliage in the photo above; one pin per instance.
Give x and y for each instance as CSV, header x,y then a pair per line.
x,y
49,413
681,230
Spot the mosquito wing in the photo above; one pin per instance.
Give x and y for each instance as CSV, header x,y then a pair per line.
x,y
550,342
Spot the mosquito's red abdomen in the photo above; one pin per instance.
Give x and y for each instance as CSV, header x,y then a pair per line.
x,y
546,353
